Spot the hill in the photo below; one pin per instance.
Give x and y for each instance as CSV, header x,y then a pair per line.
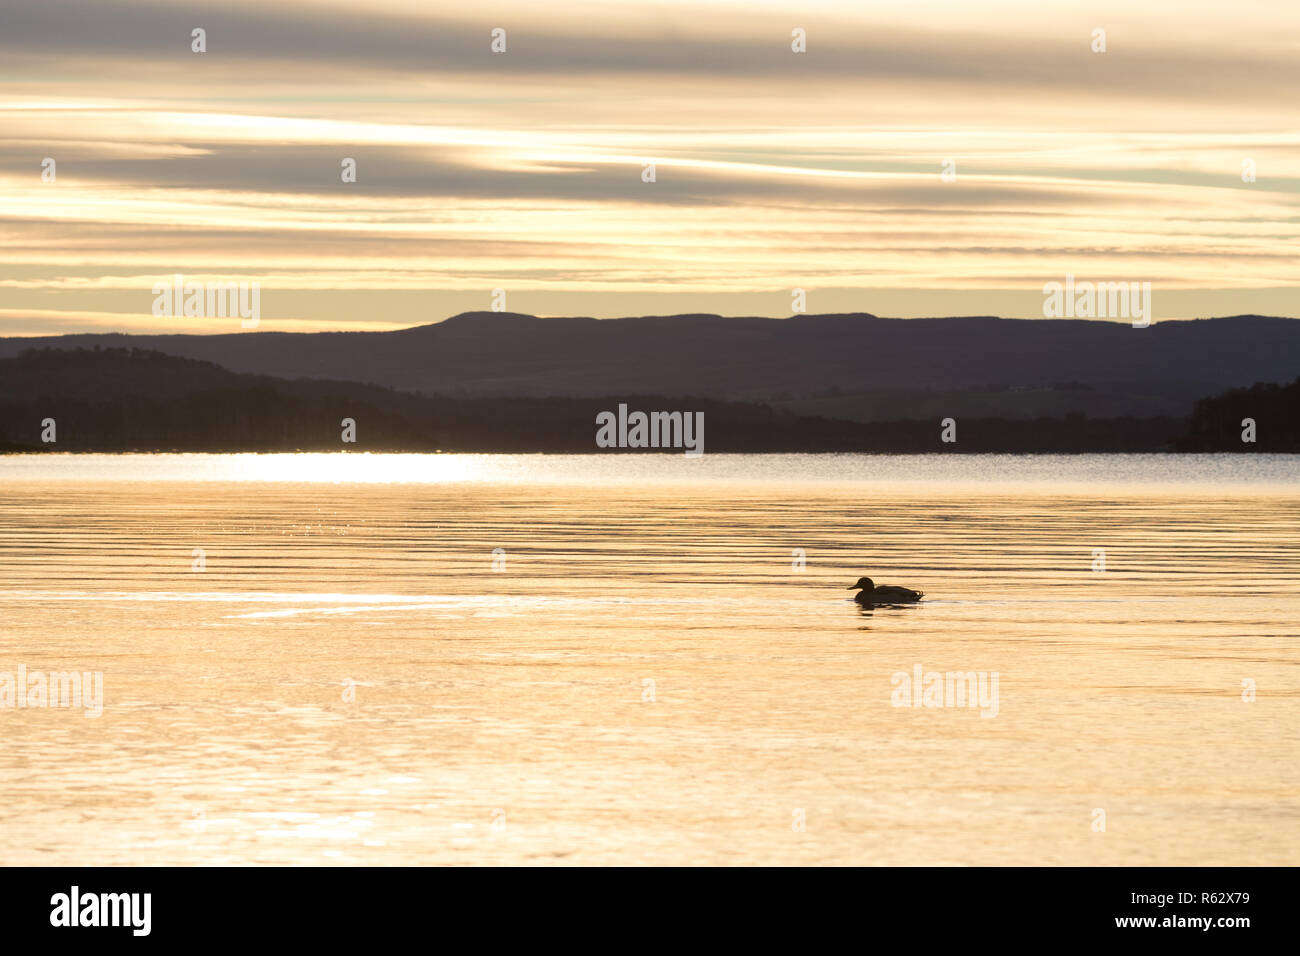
x,y
139,400
812,365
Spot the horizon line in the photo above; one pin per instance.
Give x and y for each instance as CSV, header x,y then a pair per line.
x,y
488,313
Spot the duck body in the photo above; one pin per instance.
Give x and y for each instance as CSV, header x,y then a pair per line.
x,y
869,593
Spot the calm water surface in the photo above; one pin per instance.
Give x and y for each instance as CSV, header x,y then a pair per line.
x,y
647,676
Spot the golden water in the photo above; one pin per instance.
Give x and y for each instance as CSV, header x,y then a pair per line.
x,y
349,680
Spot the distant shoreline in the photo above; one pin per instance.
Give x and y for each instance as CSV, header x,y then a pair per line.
x,y
626,453
132,400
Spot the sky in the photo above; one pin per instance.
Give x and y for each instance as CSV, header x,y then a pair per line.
x,y
919,158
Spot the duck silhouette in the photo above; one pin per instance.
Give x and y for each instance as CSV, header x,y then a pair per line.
x,y
868,593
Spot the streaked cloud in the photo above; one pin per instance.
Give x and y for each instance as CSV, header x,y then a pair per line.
x,y
523,170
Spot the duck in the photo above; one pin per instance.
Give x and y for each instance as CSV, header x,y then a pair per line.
x,y
868,593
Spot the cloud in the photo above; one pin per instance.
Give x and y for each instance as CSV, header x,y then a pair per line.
x,y
469,174
523,170
709,45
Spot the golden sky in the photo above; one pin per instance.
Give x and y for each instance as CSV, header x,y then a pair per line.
x,y
523,170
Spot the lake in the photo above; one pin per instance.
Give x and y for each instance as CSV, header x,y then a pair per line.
x,y
537,659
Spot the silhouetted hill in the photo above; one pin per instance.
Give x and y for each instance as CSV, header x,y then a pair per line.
x,y
1218,422
896,365
138,400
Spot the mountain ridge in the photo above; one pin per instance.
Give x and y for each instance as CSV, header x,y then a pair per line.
x,y
755,358
119,400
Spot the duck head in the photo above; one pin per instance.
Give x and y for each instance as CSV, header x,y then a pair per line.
x,y
863,583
